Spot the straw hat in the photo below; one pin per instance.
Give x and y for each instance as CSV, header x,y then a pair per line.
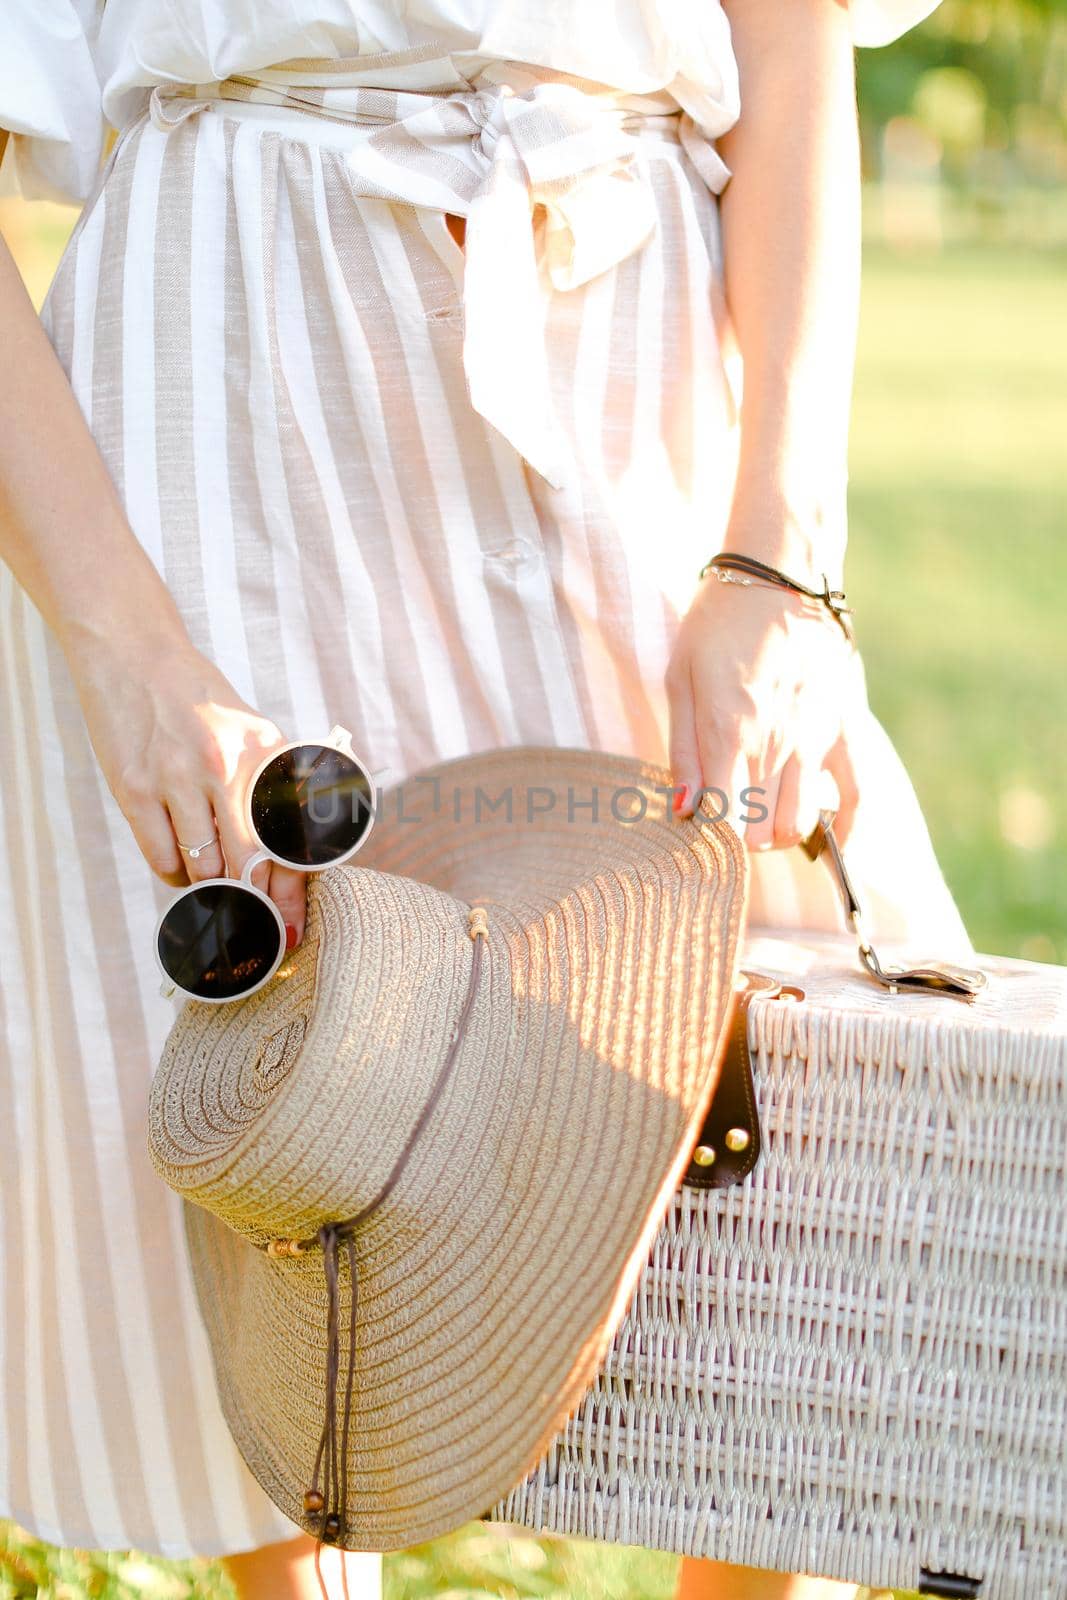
x,y
502,1105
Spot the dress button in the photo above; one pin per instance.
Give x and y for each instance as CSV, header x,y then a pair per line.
x,y
517,556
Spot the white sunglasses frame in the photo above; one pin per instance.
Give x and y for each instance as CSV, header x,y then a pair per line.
x,y
338,738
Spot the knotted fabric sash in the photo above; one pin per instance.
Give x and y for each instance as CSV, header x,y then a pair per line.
x,y
493,155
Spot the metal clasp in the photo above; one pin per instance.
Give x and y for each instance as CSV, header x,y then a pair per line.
x,y
945,977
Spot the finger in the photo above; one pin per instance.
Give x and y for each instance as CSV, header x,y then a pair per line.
x,y
193,824
683,745
801,795
726,776
762,803
238,841
288,889
840,763
785,826
827,794
151,827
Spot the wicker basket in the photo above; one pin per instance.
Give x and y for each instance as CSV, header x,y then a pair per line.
x,y
852,1362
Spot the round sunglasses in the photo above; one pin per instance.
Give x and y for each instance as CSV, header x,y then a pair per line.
x,y
309,805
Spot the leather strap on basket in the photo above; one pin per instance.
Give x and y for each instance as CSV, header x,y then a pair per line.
x,y
728,1145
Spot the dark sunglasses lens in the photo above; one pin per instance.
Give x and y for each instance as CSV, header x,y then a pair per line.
x,y
311,805
218,941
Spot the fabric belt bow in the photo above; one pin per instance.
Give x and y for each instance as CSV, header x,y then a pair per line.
x,y
553,148
495,156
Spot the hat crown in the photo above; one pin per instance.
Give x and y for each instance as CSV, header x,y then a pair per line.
x,y
248,1115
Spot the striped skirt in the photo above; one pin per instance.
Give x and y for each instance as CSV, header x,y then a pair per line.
x,y
271,362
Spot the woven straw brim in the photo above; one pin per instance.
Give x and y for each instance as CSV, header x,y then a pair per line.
x,y
492,1279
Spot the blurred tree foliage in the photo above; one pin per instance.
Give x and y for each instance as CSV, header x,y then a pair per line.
x,y
987,79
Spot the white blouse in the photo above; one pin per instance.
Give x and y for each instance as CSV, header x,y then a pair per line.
x,y
70,67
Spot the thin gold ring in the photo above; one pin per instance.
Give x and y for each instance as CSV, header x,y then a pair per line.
x,y
195,849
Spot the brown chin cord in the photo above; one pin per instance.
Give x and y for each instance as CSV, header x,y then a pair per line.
x,y
330,1503
333,1527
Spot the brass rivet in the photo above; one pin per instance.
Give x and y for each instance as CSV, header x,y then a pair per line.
x,y
703,1155
737,1139
284,1247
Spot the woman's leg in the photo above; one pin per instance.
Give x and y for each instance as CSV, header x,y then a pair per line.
x,y
286,1571
718,1580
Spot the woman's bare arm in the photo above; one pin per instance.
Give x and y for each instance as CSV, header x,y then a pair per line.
x,y
173,738
62,529
791,237
762,694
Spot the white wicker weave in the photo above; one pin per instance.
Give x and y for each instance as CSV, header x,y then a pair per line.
x,y
854,1362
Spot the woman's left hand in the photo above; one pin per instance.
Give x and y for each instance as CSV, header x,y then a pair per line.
x,y
766,694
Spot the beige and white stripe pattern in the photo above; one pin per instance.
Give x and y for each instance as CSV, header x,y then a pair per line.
x,y
493,154
271,360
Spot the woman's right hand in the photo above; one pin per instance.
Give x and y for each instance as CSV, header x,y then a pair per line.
x,y
177,746
765,695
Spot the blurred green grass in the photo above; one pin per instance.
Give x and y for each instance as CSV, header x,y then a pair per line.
x,y
477,1562
957,569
